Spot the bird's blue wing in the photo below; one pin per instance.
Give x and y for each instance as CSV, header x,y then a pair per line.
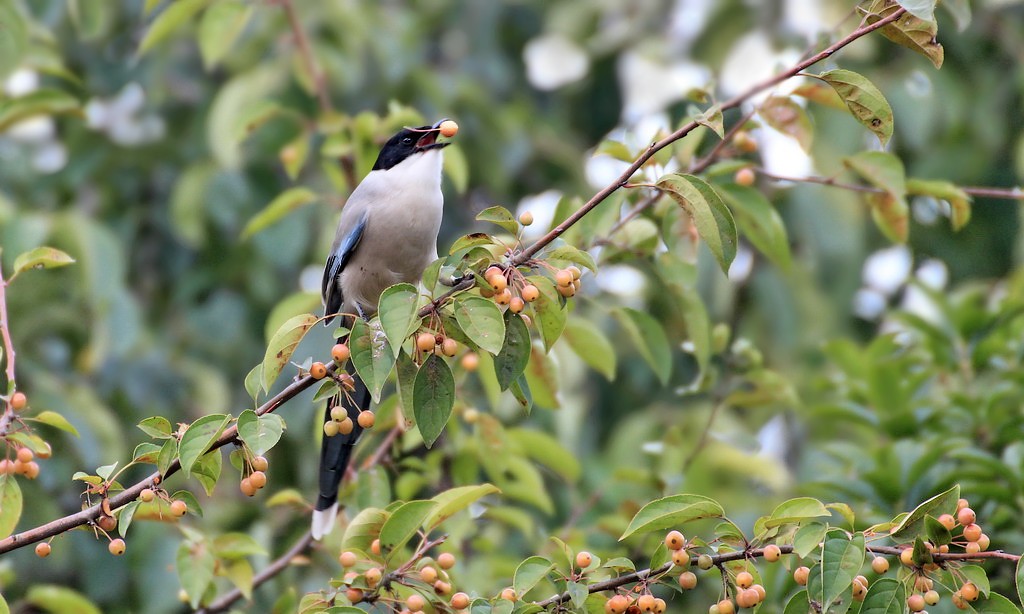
x,y
335,265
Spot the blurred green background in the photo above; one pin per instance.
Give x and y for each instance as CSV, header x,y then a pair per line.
x,y
887,373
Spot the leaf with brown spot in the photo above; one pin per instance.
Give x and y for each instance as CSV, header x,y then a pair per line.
x,y
908,31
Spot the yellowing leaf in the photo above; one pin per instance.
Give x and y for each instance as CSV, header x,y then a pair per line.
x,y
864,100
283,344
712,218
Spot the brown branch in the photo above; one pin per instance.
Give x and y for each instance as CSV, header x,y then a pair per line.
x,y
704,434
385,445
657,146
1016,193
56,527
306,51
5,331
224,602
826,181
702,164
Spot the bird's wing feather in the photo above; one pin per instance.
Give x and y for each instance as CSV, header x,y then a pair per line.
x,y
336,262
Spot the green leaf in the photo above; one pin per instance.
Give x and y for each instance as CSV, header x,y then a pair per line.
x,y
56,420
789,118
195,564
40,102
615,149
885,596
959,201
547,451
433,398
397,313
219,28
568,253
591,345
548,310
372,355
207,470
864,100
670,512
283,344
881,169
936,532
260,433
10,504
156,427
798,604
364,528
198,438
712,118
995,604
293,155
481,321
125,516
841,560
501,216
914,31
254,381
759,222
977,575
511,361
240,573
808,537
454,500
471,240
520,390
795,511
146,452
1019,579
50,598
529,573
891,215
405,370
41,258
176,14
650,340
168,452
14,40
913,525
285,202
403,523
456,167
711,217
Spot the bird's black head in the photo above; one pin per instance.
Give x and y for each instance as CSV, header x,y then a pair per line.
x,y
408,142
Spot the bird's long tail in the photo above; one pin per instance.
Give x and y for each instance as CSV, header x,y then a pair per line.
x,y
335,453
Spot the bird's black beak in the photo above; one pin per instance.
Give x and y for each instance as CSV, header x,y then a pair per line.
x,y
428,137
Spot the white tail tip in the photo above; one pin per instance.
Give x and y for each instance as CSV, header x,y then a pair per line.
x,y
323,521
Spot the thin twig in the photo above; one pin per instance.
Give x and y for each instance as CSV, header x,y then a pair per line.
x,y
827,181
383,448
657,146
5,331
706,161
224,602
306,51
703,441
1016,193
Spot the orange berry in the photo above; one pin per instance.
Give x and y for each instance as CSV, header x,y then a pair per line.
x,y
745,176
915,603
969,591
744,579
563,278
922,584
448,128
880,565
959,602
317,370
525,218
761,593
460,601
375,547
247,488
584,559
744,142
366,419
966,516
470,361
859,591
530,293
972,548
504,297
107,523
746,598
680,558
800,575
25,455
617,604
346,426
449,347
659,605
354,595
726,607
373,576
425,342
32,470
575,271
566,291
147,495
340,353
260,463
442,588
516,304
18,401
43,550
116,547
446,560
258,479
509,594
947,521
179,508
338,413
984,542
772,553
687,580
674,540
645,603
907,557
498,282
972,532
348,559
428,574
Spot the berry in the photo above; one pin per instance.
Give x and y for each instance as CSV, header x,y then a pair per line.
x,y
680,558
345,426
425,342
984,542
687,580
617,604
446,560
366,419
428,575
761,593
340,353
107,523
525,218
460,601
442,588
745,177
32,470
355,595
645,603
746,598
18,401
116,547
317,370
859,591
726,607
958,601
800,575
471,415
449,347
969,591
915,603
674,540
961,504
179,508
43,550
498,282
247,488
879,565
972,548
348,558
330,428
772,553
6,467
25,455
931,597
966,516
947,521
375,547
260,463
504,297
563,278
705,562
508,594
907,557
972,532
516,305
660,605
258,479
470,361
744,142
575,270
373,576
338,413
744,579
147,495
567,291
530,293
448,128
584,559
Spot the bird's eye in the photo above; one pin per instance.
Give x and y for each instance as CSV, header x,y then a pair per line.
x,y
407,140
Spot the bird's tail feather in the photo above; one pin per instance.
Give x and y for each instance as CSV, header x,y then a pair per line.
x,y
335,453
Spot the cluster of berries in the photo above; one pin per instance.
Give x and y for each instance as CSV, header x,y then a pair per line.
x,y
429,575
257,477
340,423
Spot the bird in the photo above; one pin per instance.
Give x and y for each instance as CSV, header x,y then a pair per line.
x,y
387,234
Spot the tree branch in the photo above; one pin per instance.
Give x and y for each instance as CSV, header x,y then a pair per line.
x,y
657,146
306,51
5,331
